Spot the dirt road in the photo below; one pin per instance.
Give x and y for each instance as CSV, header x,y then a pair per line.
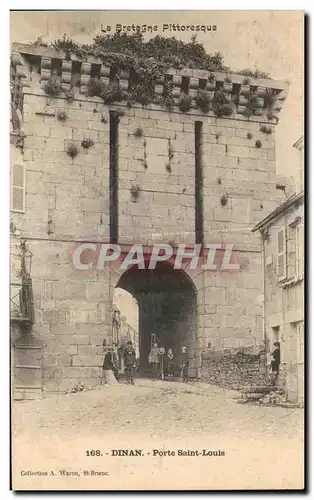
x,y
170,424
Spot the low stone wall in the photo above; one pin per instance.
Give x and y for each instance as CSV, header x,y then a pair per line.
x,y
235,368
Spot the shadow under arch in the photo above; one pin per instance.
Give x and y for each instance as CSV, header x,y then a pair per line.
x,y
167,301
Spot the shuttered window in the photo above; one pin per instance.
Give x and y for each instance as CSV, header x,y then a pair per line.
x,y
300,251
18,188
281,254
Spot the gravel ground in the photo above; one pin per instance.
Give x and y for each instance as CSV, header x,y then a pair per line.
x,y
263,446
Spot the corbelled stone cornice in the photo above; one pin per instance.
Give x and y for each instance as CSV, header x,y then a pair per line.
x,y
237,88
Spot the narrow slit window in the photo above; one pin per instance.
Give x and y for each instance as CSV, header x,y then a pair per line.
x,y
199,212
113,175
185,84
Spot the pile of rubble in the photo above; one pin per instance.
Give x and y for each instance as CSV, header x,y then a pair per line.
x,y
275,397
266,395
79,387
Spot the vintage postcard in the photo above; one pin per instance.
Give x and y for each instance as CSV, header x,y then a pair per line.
x,y
157,250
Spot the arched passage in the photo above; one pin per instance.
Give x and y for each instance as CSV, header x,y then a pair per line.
x,y
167,309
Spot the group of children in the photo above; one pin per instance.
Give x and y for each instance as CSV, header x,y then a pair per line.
x,y
162,363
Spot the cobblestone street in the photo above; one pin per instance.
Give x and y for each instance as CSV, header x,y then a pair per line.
x,y
261,444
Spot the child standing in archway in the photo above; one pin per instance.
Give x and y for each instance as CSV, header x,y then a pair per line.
x,y
130,362
154,360
170,364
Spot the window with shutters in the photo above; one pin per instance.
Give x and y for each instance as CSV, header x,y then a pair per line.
x,y
281,254
300,251
18,188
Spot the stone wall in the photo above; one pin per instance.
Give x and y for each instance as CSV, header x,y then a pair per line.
x,y
67,202
235,368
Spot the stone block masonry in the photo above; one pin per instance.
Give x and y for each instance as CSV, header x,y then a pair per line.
x,y
69,201
235,368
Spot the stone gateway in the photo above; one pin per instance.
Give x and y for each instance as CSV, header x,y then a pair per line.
x,y
91,172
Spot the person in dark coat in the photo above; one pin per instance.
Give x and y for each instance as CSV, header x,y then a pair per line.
x,y
154,360
184,364
169,362
275,362
129,362
109,363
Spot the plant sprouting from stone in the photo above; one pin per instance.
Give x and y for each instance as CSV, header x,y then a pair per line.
x,y
87,143
266,129
211,78
61,115
94,87
69,95
224,200
170,156
72,150
170,150
138,132
249,135
254,103
127,49
185,103
104,118
167,98
227,109
67,45
272,116
258,144
135,191
254,74
221,104
269,98
203,100
145,155
53,86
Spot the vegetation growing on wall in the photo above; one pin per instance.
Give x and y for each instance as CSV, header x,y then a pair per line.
x,y
61,115
53,86
145,155
135,191
129,51
147,62
221,104
87,143
185,103
138,132
203,100
72,150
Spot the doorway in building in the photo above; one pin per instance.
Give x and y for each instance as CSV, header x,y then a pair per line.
x,y
125,323
167,310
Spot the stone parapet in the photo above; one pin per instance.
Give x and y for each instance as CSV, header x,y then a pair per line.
x,y
262,98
